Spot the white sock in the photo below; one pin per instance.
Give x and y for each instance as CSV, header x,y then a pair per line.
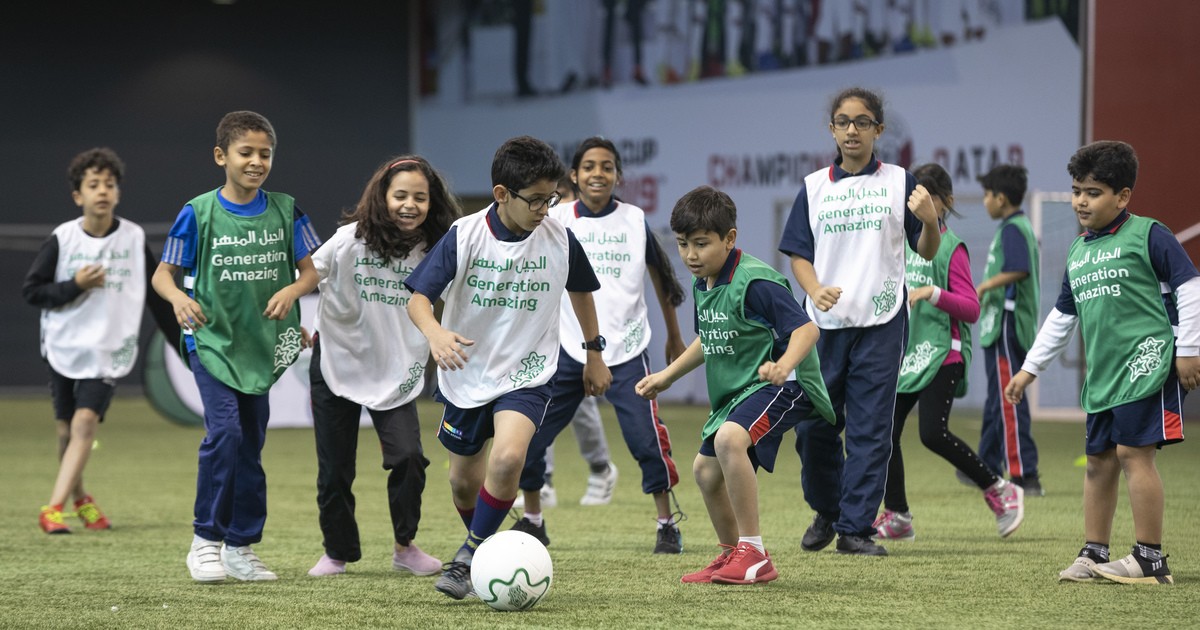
x,y
755,541
999,486
664,522
535,518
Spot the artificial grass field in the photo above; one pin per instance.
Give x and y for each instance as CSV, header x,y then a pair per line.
x,y
957,573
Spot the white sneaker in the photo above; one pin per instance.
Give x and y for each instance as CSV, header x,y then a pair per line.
x,y
1082,570
204,560
600,487
242,563
548,495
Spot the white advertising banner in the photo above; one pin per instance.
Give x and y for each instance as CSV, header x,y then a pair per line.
x,y
1013,97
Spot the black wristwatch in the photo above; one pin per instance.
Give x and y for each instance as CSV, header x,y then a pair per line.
x,y
598,344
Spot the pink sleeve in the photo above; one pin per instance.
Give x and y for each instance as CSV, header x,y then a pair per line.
x,y
959,299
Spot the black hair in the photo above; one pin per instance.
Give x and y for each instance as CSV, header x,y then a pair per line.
x,y
236,124
523,160
378,229
1110,162
704,208
872,100
99,158
937,181
1008,180
595,142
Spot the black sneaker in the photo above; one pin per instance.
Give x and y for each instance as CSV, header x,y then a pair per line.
x,y
1031,485
819,534
456,576
859,546
669,539
537,531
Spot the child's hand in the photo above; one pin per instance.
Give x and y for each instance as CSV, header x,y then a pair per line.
x,y
596,377
446,348
1188,369
918,294
650,386
826,297
920,202
1016,387
188,313
90,277
280,304
305,338
773,373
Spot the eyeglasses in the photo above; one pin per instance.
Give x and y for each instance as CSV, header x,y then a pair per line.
x,y
862,123
537,204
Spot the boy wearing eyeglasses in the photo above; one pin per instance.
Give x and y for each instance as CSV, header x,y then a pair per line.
x,y
501,271
1008,318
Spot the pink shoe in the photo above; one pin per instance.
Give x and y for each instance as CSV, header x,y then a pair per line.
x,y
327,566
415,561
894,526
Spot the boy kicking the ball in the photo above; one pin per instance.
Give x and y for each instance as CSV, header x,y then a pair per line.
x,y
763,378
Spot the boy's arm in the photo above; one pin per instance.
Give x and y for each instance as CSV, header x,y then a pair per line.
x,y
596,376
187,311
800,343
1002,279
1187,345
692,358
445,346
42,291
822,296
284,299
1052,339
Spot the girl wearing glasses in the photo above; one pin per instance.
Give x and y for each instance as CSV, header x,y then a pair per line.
x,y
846,238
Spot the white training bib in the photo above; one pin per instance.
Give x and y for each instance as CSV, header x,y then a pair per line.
x,y
96,335
371,353
616,247
505,296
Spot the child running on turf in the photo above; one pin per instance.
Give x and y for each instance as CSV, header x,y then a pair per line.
x,y
90,279
366,353
764,377
497,342
943,303
241,248
1134,294
619,242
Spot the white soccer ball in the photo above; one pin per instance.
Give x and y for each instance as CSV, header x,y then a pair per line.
x,y
511,571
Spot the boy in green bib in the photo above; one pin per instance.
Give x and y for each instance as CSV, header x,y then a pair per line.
x,y
241,248
763,375
1134,294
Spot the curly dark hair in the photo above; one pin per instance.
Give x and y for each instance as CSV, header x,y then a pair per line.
x,y
375,224
99,158
1110,162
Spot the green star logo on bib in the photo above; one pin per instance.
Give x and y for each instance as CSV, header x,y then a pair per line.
x,y
287,348
531,366
918,360
633,334
1148,359
885,301
414,376
124,356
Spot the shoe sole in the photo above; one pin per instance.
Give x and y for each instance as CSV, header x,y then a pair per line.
x,y
204,578
399,568
1154,579
910,537
1070,578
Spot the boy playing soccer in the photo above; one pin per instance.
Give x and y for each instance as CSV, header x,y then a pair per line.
x,y
241,247
756,344
90,279
1008,300
1128,283
506,263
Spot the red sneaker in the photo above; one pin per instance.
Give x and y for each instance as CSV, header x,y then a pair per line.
x,y
90,514
704,576
51,520
746,565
